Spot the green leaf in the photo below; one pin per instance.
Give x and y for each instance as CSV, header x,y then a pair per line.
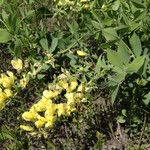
x,y
114,93
30,14
133,25
138,4
147,99
44,67
1,2
119,76
44,44
73,59
12,22
31,1
40,76
5,36
124,112
110,34
73,27
4,15
16,23
125,18
121,119
136,45
98,65
116,5
140,16
18,47
96,24
123,52
53,45
136,64
114,58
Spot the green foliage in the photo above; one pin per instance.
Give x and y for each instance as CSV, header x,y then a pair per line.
x,y
46,35
5,36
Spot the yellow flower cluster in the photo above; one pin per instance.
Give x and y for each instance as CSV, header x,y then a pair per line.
x,y
63,89
6,82
18,65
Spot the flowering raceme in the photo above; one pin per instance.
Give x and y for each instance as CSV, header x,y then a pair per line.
x,y
6,82
73,85
45,112
4,95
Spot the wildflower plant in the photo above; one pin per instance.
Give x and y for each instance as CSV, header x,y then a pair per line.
x,y
9,82
60,99
103,45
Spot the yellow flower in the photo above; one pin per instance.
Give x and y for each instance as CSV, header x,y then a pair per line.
x,y
50,118
46,100
3,96
81,53
50,110
47,94
39,123
50,122
56,93
70,109
57,87
70,98
61,109
50,94
63,84
73,85
80,88
17,64
8,93
79,97
24,81
33,109
39,117
62,76
42,104
2,105
26,128
7,80
29,115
